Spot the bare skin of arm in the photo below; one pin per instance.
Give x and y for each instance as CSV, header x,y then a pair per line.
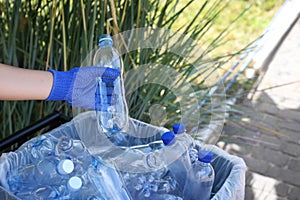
x,y
24,84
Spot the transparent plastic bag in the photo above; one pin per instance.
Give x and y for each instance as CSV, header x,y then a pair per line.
x,y
229,170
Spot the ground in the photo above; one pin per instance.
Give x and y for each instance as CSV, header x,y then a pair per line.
x,y
269,138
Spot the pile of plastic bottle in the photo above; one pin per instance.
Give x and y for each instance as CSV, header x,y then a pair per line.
x,y
65,169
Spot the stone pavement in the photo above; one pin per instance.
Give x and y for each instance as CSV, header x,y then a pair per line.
x,y
267,133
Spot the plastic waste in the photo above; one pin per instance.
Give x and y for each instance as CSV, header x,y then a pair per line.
x,y
150,185
76,151
173,155
107,180
182,136
180,167
193,153
166,197
74,183
63,174
229,169
200,178
111,106
39,148
49,170
48,192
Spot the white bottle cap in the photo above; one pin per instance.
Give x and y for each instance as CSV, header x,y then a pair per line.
x,y
74,183
65,166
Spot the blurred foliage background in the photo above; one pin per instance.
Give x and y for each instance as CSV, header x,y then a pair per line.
x,y
42,34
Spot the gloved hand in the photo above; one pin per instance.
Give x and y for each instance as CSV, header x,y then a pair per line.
x,y
78,85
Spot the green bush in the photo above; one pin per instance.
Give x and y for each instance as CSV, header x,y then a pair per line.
x,y
42,34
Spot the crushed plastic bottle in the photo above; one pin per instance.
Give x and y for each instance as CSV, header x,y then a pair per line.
x,y
174,156
43,178
150,185
58,169
107,180
180,167
200,178
111,106
182,136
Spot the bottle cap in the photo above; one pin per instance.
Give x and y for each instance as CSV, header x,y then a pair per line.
x,y
65,166
105,41
168,138
65,143
179,128
205,156
75,183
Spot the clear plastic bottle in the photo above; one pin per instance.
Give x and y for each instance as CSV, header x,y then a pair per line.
x,y
180,167
112,111
52,170
74,188
42,177
40,147
18,180
156,145
149,185
74,150
107,180
174,156
81,187
48,192
200,178
181,135
165,197
193,153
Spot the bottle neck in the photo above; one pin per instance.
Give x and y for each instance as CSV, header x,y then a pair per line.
x,y
203,164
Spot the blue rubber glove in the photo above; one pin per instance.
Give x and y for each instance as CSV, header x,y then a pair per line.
x,y
78,85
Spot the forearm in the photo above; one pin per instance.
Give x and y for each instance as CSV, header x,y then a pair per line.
x,y
24,84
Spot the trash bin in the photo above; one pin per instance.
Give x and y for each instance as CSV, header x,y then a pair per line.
x,y
229,170
5,195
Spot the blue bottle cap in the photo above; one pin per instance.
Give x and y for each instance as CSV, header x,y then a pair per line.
x,y
179,128
105,41
168,138
205,156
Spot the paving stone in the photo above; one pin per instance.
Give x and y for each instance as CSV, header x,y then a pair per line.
x,y
271,141
255,165
286,175
248,193
270,108
290,125
291,149
267,196
290,114
260,182
266,128
270,119
295,193
271,156
282,189
282,198
236,149
290,104
290,136
248,178
274,161
294,164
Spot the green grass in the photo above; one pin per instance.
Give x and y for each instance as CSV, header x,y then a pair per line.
x,y
247,28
